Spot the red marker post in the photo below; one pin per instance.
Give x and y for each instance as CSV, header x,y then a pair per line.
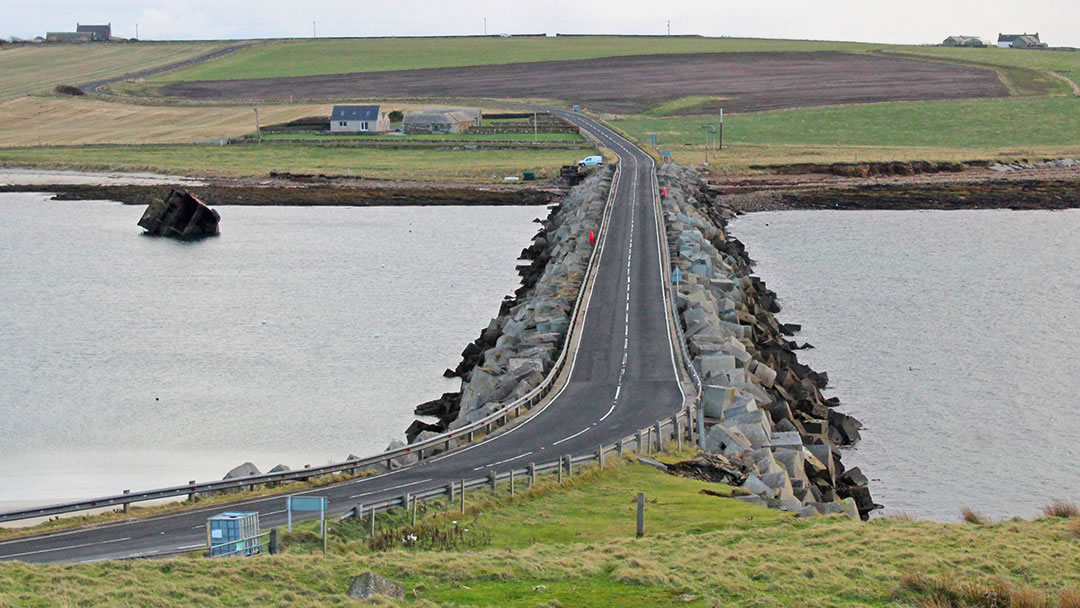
x,y
663,192
592,238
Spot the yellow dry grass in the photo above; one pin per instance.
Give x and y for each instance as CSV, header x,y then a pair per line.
x,y
77,121
34,69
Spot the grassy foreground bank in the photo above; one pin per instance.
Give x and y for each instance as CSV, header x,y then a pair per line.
x,y
574,546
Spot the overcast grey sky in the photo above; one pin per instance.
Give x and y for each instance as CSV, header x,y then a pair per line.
x,y
912,21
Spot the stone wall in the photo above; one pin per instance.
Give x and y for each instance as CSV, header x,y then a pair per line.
x,y
764,410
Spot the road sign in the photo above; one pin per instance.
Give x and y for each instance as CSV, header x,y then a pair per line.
x,y
653,138
307,503
676,276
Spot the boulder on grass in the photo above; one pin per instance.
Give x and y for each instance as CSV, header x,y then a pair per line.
x,y
369,584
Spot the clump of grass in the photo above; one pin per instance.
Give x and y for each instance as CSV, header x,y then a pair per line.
x,y
1069,598
972,516
1026,597
1061,508
1074,528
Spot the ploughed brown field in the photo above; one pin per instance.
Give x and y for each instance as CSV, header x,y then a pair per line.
x,y
742,82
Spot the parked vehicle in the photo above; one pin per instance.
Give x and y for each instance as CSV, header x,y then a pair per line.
x,y
591,161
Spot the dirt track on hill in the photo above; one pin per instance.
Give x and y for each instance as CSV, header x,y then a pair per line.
x,y
749,82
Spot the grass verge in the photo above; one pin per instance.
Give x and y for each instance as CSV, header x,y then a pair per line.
x,y
426,164
698,551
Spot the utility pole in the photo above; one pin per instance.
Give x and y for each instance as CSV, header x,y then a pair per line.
x,y
313,34
534,127
258,129
136,31
669,27
721,128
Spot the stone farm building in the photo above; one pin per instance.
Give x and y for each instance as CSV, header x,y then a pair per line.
x,y
1020,41
82,33
970,41
440,121
359,119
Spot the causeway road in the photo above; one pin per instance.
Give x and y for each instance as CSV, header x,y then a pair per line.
x,y
624,377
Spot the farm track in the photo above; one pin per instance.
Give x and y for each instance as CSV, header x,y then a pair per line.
x,y
740,82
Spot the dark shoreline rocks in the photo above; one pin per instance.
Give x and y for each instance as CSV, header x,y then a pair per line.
x,y
1015,194
303,195
519,347
765,411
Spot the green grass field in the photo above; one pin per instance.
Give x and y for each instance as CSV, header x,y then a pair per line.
x,y
980,123
574,546
313,57
37,69
258,160
526,137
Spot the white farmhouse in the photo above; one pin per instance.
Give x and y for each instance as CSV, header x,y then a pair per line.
x,y
358,119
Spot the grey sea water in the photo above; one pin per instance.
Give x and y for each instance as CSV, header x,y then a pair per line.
x,y
297,336
953,335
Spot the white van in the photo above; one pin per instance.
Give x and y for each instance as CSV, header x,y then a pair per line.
x,y
591,161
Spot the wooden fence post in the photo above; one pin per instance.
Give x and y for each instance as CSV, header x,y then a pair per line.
x,y
491,480
640,514
532,474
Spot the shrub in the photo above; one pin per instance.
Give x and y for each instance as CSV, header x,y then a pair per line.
x,y
67,89
396,116
972,516
1061,508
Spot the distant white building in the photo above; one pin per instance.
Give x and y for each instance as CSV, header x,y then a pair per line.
x,y
1020,41
359,119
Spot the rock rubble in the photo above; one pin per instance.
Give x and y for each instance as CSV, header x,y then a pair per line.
x,y
764,411
518,348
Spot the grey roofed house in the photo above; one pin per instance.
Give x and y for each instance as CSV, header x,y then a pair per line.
x,y
1010,40
97,32
969,41
358,119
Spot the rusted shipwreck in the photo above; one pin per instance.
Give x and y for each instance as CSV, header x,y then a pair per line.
x,y
182,215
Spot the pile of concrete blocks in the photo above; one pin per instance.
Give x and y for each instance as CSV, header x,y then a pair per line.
x,y
762,407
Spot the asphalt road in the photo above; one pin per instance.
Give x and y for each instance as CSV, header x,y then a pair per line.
x,y
623,379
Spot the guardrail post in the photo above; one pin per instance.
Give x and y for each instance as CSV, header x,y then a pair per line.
x,y
677,427
491,480
405,500
600,455
640,514
414,501
372,522
511,481
358,512
659,438
450,493
532,474
462,496
273,541
127,505
569,465
639,441
191,496
560,470
620,448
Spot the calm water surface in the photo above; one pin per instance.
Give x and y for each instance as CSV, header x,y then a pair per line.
x,y
297,336
954,336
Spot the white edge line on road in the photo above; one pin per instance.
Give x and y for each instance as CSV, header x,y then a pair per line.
x,y
404,485
571,436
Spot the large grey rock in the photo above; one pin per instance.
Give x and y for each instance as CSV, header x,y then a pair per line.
x,y
726,441
369,584
754,485
786,440
847,507
794,463
714,364
404,460
716,399
244,470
